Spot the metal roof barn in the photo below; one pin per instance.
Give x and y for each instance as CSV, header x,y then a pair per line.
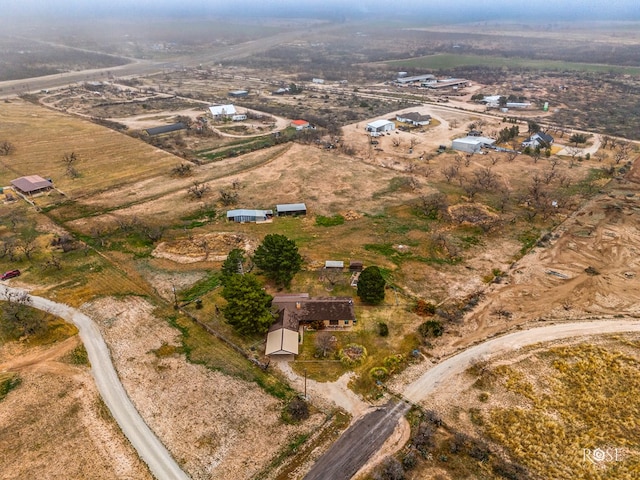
x,y
31,184
244,215
291,209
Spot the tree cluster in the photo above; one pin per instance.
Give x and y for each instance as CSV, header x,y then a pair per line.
x,y
278,258
371,285
248,307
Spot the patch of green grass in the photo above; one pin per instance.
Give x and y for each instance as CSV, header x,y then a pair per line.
x,y
528,239
449,61
201,288
78,356
8,382
332,221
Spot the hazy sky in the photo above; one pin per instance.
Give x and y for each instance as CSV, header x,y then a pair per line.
x,y
539,10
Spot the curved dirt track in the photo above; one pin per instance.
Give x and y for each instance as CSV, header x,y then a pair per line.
x,y
458,363
148,446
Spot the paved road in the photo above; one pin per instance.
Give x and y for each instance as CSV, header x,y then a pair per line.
x,y
352,450
457,364
148,446
356,445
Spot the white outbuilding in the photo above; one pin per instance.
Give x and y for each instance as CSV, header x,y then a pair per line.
x,y
379,127
472,144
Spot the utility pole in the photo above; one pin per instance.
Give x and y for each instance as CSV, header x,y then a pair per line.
x,y
305,383
175,297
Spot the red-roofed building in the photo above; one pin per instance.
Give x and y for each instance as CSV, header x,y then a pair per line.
x,y
300,124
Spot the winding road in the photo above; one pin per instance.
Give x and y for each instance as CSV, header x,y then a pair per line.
x,y
151,450
362,439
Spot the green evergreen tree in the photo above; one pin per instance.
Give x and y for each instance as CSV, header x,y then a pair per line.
x,y
278,258
248,305
232,265
371,285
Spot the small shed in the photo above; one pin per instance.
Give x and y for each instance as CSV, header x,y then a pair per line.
x,y
336,264
31,184
239,93
295,209
244,215
356,265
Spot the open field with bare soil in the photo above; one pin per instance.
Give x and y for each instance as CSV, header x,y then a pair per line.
x,y
54,423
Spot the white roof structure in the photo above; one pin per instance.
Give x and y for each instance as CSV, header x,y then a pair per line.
x,y
290,207
282,341
476,140
491,98
217,110
334,264
377,124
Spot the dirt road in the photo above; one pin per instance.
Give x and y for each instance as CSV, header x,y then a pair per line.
x,y
352,450
148,446
457,364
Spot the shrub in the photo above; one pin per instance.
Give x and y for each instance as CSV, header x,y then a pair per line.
x,y
389,469
297,409
424,309
352,354
410,460
379,373
431,329
323,221
423,440
383,329
393,361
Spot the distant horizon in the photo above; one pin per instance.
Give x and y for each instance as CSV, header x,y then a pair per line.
x,y
436,10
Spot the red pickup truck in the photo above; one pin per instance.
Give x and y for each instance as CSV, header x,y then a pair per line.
x,y
10,274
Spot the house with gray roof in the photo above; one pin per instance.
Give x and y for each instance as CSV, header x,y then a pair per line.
x,y
414,118
541,139
295,311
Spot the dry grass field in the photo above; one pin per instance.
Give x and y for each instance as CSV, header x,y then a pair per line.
x,y
53,423
549,407
107,159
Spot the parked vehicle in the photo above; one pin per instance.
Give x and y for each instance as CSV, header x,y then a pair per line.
x,y
10,274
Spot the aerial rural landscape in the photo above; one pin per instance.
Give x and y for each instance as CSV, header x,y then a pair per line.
x,y
274,241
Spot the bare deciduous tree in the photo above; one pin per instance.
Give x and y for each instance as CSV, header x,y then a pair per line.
x,y
228,197
70,160
182,170
198,189
6,148
325,343
450,172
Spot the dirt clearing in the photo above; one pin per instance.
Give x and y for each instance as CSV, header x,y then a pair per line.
x,y
54,424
